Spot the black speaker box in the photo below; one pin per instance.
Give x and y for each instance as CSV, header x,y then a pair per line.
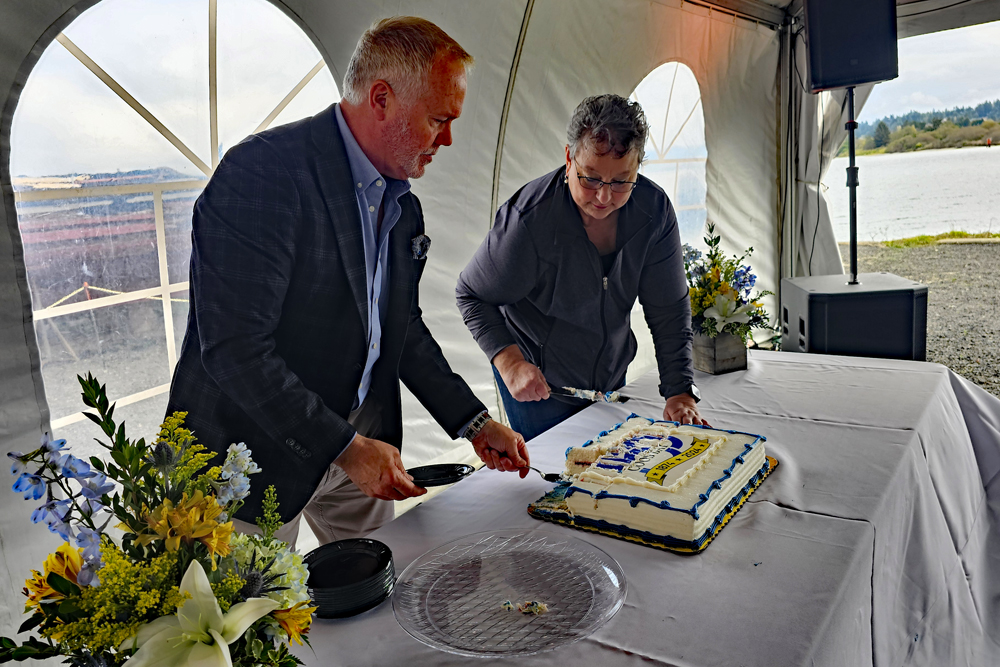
x,y
883,316
850,42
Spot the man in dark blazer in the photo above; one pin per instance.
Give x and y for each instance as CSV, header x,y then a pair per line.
x,y
307,251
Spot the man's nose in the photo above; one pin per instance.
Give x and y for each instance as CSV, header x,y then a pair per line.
x,y
444,136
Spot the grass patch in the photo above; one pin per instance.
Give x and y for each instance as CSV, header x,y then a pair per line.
x,y
925,239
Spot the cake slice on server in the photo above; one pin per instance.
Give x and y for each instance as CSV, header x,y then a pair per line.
x,y
658,482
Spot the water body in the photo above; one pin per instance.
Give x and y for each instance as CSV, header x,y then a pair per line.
x,y
925,192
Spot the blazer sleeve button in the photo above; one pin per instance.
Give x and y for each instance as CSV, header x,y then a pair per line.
x,y
291,443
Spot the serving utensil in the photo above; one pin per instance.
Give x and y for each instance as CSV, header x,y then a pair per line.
x,y
590,394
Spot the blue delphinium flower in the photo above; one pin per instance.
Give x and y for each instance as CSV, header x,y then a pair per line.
x,y
96,486
234,484
57,519
18,466
743,281
90,541
32,486
73,468
50,448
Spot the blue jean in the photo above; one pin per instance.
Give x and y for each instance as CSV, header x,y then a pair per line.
x,y
532,418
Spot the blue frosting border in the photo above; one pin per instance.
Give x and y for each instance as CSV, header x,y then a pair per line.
x,y
665,505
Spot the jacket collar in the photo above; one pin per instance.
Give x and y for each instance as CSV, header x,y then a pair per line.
x,y
633,216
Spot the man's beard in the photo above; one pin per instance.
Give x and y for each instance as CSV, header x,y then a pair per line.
x,y
404,148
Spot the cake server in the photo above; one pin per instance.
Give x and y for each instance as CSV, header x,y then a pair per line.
x,y
590,394
548,476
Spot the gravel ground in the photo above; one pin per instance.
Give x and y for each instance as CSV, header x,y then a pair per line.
x,y
963,301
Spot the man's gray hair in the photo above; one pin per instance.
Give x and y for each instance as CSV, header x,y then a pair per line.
x,y
401,51
609,123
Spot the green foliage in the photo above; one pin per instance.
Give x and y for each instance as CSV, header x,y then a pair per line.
x,y
255,648
925,239
271,521
882,136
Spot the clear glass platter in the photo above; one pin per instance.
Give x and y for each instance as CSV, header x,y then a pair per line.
x,y
453,597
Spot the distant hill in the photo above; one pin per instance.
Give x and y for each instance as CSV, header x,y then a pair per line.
x,y
92,180
958,116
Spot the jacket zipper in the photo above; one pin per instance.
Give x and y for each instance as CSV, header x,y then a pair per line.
x,y
604,336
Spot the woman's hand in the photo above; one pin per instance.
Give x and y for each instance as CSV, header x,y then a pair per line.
x,y
524,380
684,409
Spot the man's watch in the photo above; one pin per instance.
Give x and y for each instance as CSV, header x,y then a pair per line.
x,y
693,392
476,426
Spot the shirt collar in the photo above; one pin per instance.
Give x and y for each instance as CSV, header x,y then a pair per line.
x,y
362,169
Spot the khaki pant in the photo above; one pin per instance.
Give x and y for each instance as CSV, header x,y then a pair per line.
x,y
337,510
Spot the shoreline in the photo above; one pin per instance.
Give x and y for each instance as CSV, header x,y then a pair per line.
x,y
963,300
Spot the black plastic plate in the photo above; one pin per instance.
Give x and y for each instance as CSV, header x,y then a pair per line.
x,y
440,474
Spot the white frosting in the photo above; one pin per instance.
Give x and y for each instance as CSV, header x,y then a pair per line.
x,y
661,462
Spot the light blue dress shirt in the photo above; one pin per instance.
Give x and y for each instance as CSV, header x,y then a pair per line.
x,y
373,190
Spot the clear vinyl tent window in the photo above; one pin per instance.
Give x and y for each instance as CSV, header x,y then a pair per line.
x,y
675,160
119,126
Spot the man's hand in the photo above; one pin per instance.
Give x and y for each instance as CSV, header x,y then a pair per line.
x,y
524,380
684,409
500,448
376,468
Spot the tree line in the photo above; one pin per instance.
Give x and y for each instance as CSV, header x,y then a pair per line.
x,y
931,120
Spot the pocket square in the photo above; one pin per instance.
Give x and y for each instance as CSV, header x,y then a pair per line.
x,y
420,244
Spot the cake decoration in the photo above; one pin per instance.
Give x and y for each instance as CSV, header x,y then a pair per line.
x,y
660,483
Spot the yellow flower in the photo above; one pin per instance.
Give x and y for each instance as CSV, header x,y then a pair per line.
x,y
66,562
193,519
295,620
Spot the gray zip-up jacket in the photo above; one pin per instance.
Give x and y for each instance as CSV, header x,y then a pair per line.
x,y
536,281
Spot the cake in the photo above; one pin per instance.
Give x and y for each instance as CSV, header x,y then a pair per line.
x,y
658,482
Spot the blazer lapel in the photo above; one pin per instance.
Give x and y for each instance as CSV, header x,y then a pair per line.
x,y
333,173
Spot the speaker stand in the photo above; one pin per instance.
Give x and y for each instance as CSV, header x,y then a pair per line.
x,y
852,184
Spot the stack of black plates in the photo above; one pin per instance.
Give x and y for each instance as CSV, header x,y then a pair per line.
x,y
349,576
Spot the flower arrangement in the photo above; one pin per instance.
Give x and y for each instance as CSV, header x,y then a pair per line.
x,y
721,291
150,571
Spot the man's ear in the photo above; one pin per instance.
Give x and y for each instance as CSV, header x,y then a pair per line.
x,y
379,98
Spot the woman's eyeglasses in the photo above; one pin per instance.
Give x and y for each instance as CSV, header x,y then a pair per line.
x,y
589,183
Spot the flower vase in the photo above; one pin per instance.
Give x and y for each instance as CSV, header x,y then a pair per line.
x,y
723,354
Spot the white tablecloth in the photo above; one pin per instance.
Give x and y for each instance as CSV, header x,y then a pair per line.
x,y
875,542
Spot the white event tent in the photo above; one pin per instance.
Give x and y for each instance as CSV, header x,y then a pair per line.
x,y
535,60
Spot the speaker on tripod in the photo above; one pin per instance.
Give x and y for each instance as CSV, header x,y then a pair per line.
x,y
851,43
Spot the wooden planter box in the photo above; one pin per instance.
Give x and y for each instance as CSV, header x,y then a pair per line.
x,y
722,354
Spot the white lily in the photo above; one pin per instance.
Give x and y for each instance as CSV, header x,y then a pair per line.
x,y
199,634
725,311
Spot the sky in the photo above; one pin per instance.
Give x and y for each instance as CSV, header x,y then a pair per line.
x,y
939,71
68,121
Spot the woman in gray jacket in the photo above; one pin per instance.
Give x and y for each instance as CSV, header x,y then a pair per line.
x,y
549,292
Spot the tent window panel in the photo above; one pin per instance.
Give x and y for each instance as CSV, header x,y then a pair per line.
x,y
675,150
123,345
88,247
263,56
113,138
177,211
179,305
676,154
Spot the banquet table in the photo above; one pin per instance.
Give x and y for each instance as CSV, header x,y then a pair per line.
x,y
876,541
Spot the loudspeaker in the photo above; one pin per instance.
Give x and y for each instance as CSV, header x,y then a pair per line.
x,y
884,315
850,42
